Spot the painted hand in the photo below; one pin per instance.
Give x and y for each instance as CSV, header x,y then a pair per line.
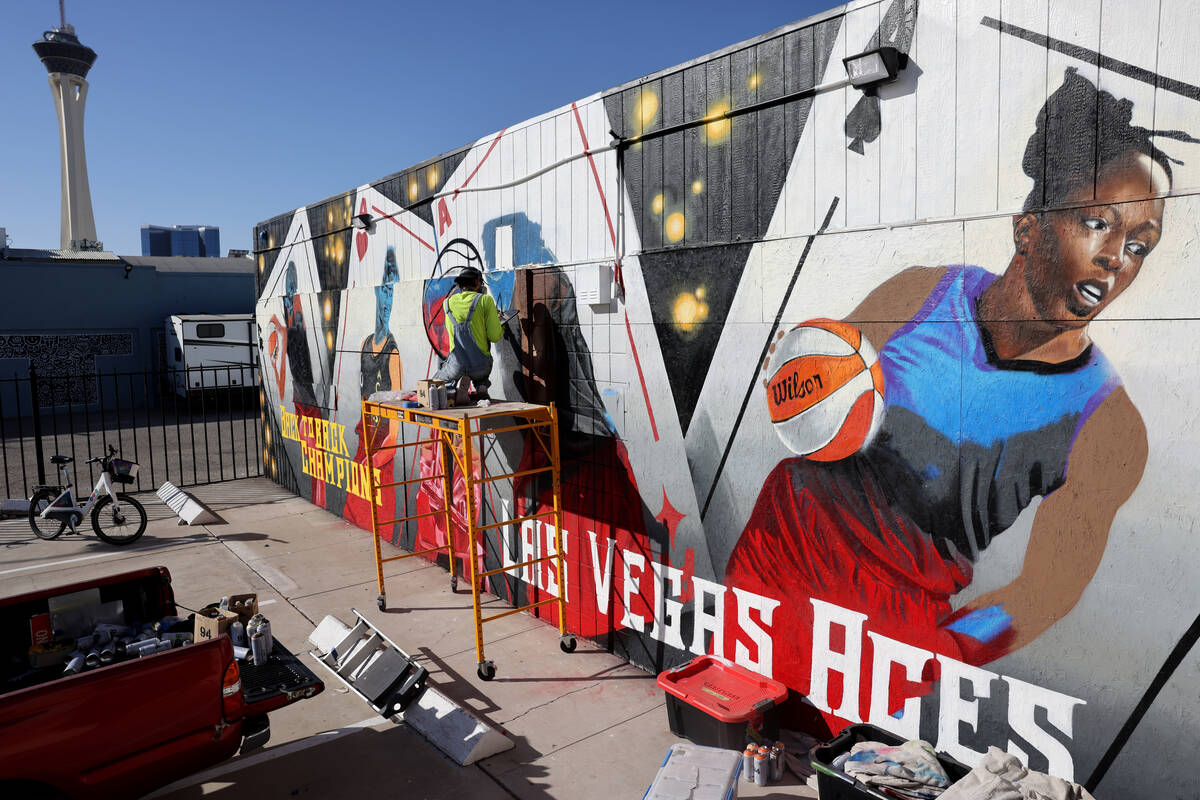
x,y
767,361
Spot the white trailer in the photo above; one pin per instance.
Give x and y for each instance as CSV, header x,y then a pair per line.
x,y
211,351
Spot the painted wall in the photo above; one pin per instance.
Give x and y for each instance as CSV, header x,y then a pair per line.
x,y
1008,557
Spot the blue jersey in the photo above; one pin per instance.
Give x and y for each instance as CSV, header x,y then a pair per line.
x,y
968,439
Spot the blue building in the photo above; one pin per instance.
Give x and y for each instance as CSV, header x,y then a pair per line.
x,y
181,240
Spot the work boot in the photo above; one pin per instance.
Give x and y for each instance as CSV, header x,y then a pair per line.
x,y
463,393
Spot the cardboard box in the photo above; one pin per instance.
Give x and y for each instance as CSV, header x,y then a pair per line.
x,y
211,623
244,605
423,389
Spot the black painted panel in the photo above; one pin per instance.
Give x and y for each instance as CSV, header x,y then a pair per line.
x,y
695,157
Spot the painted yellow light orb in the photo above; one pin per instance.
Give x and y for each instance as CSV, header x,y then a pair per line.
x,y
700,292
675,226
754,81
697,187
688,313
412,189
432,178
329,339
328,309
656,205
718,129
645,109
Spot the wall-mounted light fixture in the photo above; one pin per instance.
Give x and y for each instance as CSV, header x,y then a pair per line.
x,y
873,68
361,221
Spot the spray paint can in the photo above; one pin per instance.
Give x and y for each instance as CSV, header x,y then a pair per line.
x,y
259,624
761,766
258,649
237,632
92,659
777,761
748,762
74,665
108,653
143,648
264,628
241,653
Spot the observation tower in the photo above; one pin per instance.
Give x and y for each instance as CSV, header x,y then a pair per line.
x,y
68,63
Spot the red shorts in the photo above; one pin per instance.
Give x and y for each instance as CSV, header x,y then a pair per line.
x,y
828,532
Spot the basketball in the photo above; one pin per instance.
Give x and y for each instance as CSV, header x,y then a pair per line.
x,y
825,390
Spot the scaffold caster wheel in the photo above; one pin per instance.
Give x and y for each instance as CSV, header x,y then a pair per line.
x,y
567,643
381,601
486,670
454,583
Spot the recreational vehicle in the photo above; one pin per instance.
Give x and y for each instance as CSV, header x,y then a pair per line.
x,y
211,351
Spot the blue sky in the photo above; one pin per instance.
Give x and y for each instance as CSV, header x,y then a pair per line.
x,y
227,113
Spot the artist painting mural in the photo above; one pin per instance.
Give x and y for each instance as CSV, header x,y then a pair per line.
x,y
886,396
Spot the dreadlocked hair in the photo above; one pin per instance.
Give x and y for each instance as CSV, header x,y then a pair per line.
x,y
1080,129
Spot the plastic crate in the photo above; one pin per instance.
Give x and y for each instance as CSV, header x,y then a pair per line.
x,y
833,784
694,772
123,471
713,702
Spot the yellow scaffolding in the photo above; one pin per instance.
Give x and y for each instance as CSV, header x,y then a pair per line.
x,y
456,431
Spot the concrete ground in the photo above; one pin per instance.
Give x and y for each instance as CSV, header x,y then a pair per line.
x,y
585,725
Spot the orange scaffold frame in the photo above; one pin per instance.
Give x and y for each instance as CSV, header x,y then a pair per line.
x,y
456,430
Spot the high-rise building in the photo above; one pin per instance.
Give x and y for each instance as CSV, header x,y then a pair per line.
x,y
181,240
67,61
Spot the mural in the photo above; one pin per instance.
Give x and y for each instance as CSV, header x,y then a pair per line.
x,y
857,413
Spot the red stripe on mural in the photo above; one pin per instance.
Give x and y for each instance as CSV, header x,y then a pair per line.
x,y
402,227
620,279
596,175
491,147
637,362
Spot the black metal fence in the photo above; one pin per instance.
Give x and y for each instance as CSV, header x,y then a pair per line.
x,y
188,427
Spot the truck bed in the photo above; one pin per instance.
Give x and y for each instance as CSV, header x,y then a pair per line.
x,y
121,729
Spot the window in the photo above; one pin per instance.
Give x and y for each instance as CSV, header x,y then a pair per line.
x,y
210,330
178,354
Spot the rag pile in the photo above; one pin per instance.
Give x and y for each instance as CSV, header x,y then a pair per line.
x,y
910,770
1001,776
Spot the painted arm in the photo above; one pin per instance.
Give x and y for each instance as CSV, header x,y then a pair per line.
x,y
894,303
1070,532
279,365
889,305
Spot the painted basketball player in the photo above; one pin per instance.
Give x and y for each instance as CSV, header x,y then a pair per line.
x,y
893,531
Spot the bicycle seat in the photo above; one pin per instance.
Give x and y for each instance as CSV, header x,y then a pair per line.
x,y
61,459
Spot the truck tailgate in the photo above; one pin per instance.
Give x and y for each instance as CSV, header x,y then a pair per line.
x,y
282,680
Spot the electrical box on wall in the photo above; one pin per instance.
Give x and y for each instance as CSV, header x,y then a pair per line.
x,y
593,284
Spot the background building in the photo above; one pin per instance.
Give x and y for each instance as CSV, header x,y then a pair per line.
x,y
989,597
193,241
101,311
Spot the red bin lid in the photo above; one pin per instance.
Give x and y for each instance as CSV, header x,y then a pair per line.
x,y
724,690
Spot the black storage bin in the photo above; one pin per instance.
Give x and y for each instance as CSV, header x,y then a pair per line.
x,y
714,702
833,784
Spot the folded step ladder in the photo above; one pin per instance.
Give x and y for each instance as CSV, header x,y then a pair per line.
x,y
369,663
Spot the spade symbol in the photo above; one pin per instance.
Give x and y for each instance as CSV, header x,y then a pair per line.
x,y
863,123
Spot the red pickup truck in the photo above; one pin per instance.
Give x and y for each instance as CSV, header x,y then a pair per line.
x,y
121,730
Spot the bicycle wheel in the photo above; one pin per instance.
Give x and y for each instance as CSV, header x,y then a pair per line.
x,y
45,528
120,525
